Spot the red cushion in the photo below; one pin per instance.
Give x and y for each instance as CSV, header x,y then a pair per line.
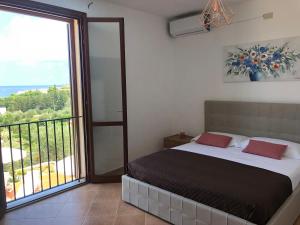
x,y
266,149
215,140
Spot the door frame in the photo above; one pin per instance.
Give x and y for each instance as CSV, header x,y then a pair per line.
x,y
2,187
90,123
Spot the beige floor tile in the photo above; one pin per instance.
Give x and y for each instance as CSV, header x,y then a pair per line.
x,y
6,222
74,210
16,214
62,198
126,210
68,221
105,208
27,222
37,222
87,187
24,212
99,220
9,221
152,220
42,211
100,187
130,220
107,195
80,196
97,187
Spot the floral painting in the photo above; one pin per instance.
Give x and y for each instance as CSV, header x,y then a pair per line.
x,y
275,60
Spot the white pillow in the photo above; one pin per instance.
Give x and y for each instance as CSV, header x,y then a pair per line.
x,y
236,141
293,149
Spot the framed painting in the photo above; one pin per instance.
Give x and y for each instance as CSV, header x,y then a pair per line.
x,y
274,60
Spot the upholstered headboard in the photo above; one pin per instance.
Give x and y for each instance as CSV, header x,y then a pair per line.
x,y
274,120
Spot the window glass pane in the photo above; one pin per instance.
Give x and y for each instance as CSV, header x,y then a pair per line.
x,y
108,150
105,64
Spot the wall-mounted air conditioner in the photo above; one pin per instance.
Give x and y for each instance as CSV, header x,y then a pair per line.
x,y
186,26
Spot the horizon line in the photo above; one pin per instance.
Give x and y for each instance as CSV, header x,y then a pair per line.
x,y
36,85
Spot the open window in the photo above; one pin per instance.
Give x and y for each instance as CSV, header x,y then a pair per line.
x,y
45,155
42,119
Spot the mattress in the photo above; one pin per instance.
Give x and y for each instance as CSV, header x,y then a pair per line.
x,y
286,166
248,192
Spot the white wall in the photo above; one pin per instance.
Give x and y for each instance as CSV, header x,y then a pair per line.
x,y
169,80
199,65
149,72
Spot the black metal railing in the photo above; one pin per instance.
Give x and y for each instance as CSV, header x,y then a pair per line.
x,y
39,155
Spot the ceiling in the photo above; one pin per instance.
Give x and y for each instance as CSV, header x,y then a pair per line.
x,y
168,8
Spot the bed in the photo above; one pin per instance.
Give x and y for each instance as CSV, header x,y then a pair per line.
x,y
158,185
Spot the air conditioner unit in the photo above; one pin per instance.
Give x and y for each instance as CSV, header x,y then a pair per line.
x,y
186,26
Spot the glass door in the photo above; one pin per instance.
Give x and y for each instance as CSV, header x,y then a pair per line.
x,y
108,111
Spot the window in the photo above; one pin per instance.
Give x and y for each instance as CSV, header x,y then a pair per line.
x,y
41,110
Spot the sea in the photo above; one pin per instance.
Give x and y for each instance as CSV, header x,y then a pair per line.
x,y
6,91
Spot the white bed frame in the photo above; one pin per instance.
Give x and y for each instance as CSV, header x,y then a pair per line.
x,y
178,210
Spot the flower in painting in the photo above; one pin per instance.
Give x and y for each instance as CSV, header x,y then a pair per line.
x,y
253,54
276,55
271,61
276,66
268,61
244,67
236,63
242,57
263,49
248,62
264,57
245,53
264,66
256,61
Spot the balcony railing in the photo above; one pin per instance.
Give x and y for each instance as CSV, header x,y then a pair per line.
x,y
38,156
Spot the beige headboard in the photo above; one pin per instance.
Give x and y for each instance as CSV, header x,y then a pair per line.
x,y
274,120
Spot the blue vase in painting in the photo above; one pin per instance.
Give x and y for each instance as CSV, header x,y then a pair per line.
x,y
255,76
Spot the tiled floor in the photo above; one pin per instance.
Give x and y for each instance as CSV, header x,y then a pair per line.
x,y
87,205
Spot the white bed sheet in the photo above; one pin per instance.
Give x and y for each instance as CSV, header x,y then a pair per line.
x,y
286,166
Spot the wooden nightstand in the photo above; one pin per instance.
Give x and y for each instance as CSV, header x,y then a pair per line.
x,y
176,140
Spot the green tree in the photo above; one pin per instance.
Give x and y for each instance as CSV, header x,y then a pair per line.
x,y
45,138
55,99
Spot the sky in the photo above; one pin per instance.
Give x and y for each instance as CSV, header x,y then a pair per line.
x,y
33,51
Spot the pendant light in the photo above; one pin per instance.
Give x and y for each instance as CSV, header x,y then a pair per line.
x,y
216,14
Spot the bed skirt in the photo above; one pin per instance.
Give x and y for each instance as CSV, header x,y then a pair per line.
x,y
182,211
